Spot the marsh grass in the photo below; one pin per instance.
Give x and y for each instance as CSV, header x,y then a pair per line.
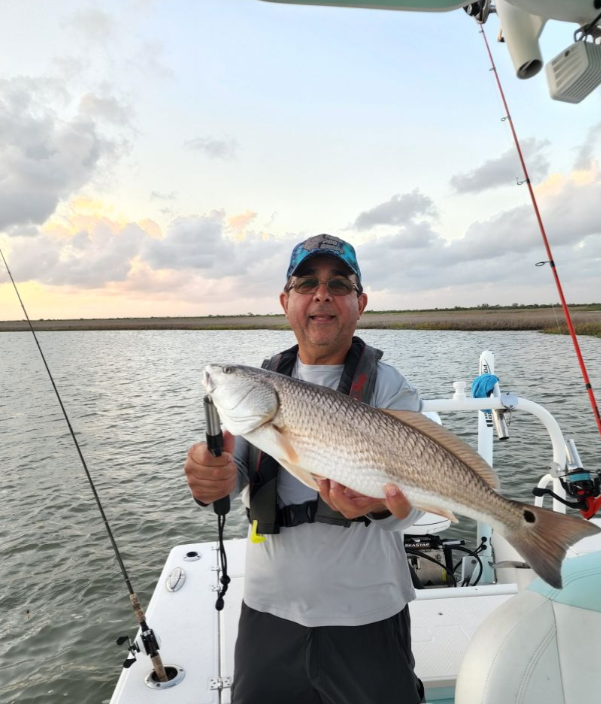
x,y
548,319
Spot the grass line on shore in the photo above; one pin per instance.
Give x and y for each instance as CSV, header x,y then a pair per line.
x,y
547,319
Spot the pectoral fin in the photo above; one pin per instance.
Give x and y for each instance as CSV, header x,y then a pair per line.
x,y
438,511
278,445
301,474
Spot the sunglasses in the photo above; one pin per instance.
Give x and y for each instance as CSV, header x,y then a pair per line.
x,y
337,287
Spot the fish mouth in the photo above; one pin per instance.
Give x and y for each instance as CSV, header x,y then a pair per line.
x,y
208,382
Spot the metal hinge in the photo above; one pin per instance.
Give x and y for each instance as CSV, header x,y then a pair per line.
x,y
220,683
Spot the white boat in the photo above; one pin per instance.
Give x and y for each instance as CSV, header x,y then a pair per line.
x,y
492,638
463,637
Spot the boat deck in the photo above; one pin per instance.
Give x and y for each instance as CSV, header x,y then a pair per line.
x,y
201,641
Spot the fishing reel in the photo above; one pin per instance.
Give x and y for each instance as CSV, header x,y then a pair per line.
x,y
580,484
149,641
585,487
132,649
479,10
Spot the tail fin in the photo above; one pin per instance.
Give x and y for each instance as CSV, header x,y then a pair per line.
x,y
545,536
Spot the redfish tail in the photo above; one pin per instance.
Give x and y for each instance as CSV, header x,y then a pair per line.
x,y
544,538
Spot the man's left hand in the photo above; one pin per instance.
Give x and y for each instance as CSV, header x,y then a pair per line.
x,y
351,504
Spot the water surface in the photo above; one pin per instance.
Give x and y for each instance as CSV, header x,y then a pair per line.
x,y
135,401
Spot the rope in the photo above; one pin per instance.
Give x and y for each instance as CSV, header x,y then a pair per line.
x,y
225,578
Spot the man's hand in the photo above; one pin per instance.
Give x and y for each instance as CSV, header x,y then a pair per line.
x,y
351,504
211,478
396,502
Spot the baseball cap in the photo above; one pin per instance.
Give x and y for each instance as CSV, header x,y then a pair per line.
x,y
324,245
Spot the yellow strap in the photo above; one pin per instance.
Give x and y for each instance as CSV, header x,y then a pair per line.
x,y
254,536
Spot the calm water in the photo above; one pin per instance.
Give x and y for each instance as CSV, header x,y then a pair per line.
x,y
135,401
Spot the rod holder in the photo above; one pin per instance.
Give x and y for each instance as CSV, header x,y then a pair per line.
x,y
500,424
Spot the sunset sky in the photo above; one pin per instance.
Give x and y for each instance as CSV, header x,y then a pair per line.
x,y
162,157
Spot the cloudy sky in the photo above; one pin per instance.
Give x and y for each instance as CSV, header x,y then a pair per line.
x,y
162,157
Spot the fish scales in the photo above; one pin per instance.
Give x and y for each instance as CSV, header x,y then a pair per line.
x,y
336,431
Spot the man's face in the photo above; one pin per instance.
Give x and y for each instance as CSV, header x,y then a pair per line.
x,y
323,324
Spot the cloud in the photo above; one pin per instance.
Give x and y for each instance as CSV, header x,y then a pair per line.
x,y
200,244
503,170
570,214
151,228
239,223
586,151
189,243
199,261
69,67
22,231
213,148
500,250
196,254
156,195
90,259
105,108
46,156
512,230
399,210
417,235
97,26
148,60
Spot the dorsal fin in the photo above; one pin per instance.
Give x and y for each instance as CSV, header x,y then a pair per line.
x,y
445,438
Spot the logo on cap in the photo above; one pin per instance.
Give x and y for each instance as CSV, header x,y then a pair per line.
x,y
324,244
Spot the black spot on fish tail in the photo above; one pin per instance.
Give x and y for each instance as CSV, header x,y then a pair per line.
x,y
544,537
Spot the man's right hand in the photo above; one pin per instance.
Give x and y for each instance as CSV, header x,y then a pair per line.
x,y
211,478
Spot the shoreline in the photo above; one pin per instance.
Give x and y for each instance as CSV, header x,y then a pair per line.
x,y
586,319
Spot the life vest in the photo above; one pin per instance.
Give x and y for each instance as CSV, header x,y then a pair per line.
x,y
358,381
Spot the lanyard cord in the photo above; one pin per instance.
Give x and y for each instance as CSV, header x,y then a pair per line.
x,y
551,262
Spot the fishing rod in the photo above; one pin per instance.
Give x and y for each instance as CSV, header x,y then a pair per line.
x,y
149,639
551,261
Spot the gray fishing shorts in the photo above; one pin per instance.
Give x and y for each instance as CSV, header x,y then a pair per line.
x,y
280,662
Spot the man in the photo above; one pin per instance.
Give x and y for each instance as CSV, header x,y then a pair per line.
x,y
325,617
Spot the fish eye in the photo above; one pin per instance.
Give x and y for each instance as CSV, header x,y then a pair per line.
x,y
228,370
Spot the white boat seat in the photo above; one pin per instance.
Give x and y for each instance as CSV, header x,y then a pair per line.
x,y
542,645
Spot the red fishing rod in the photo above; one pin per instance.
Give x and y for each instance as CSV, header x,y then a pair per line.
x,y
541,226
592,503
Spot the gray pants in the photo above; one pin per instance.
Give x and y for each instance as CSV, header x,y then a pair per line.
x,y
280,662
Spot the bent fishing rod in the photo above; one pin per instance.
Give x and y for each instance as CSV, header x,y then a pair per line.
x,y
149,639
